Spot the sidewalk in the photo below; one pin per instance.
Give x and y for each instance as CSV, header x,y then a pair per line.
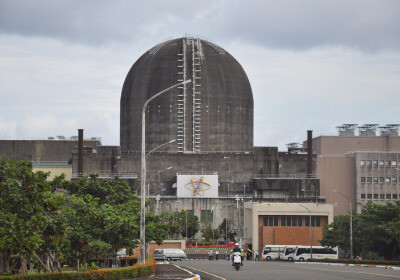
x,y
171,271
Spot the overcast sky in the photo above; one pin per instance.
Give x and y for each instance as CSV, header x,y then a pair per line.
x,y
311,64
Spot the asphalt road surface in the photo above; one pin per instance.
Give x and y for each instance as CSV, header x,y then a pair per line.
x,y
222,269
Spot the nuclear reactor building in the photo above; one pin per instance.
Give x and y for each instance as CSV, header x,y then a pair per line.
x,y
199,139
214,113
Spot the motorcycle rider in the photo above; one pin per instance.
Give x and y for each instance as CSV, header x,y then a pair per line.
x,y
237,249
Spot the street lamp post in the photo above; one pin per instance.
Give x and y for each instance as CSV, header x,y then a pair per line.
x,y
309,211
143,174
351,223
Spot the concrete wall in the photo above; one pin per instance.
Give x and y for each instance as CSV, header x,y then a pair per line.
x,y
234,168
41,150
337,173
339,145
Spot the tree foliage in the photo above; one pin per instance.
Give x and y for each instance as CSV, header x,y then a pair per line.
x,y
39,225
376,229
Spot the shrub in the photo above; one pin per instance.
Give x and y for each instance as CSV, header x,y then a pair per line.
x,y
355,261
130,272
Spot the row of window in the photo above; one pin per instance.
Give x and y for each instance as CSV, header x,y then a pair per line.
x,y
295,221
387,180
380,163
381,196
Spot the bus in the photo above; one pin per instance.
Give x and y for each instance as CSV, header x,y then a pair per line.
x,y
288,253
303,253
273,252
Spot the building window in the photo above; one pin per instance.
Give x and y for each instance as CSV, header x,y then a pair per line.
x,y
315,221
369,196
363,196
382,196
382,180
375,163
394,180
388,180
381,163
206,216
291,221
375,180
388,163
395,196
388,196
375,196
369,163
394,163
369,179
270,221
362,163
362,179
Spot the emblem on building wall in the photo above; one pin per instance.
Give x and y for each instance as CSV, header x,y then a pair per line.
x,y
197,186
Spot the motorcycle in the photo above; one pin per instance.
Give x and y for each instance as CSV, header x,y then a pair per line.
x,y
237,260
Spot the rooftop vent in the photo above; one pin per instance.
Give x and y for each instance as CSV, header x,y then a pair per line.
x,y
346,129
367,129
389,130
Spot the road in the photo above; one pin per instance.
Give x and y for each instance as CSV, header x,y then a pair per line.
x,y
212,270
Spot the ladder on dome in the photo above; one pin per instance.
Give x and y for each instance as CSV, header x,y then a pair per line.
x,y
181,110
196,90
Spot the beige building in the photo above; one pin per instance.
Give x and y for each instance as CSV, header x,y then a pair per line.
x,y
285,223
56,168
361,167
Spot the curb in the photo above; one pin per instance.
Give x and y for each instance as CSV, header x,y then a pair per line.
x,y
194,276
358,265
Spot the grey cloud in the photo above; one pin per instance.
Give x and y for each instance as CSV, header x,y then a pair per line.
x,y
364,24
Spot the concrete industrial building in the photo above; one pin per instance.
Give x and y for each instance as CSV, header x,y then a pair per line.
x,y
365,167
212,167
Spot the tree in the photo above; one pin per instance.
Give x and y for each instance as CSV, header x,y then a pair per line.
x,y
210,233
28,207
226,233
187,217
376,229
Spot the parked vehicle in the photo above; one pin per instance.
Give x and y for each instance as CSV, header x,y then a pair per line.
x,y
169,254
288,253
303,253
273,252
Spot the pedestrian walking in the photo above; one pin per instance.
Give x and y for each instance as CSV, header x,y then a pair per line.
x,y
257,256
210,255
216,255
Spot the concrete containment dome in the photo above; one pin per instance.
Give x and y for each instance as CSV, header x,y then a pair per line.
x,y
213,113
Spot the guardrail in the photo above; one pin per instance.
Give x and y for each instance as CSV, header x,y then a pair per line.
x,y
107,175
285,176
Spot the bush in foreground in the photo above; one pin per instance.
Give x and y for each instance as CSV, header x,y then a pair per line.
x,y
355,261
130,272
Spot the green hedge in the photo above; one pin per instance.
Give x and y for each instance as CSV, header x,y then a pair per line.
x,y
355,261
131,272
129,260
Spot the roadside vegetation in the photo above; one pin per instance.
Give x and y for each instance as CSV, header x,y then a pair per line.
x,y
376,232
45,225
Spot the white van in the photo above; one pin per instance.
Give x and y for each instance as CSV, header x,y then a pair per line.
x,y
273,252
169,254
303,253
288,253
